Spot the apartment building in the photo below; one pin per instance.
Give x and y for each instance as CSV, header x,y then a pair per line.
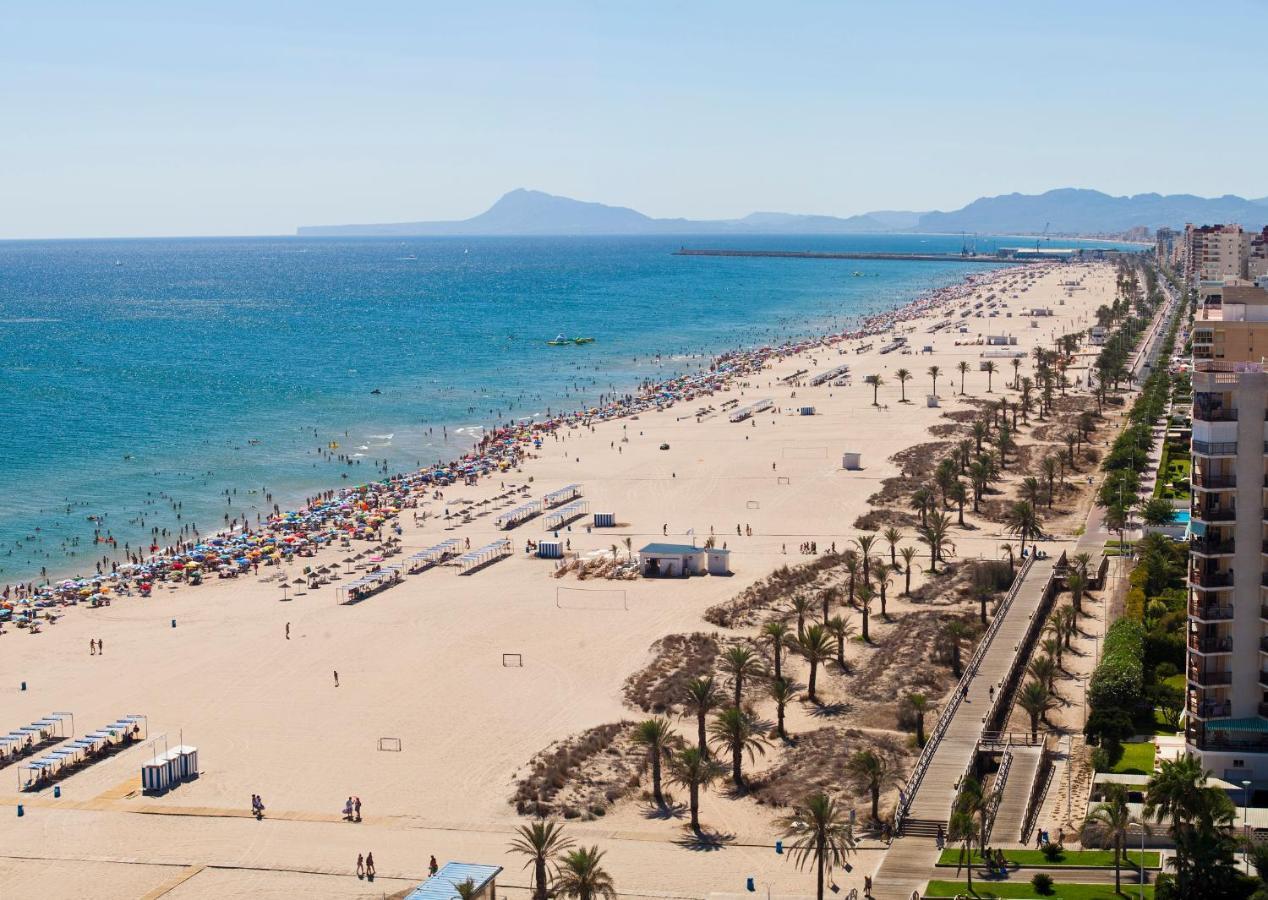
x,y
1227,667
1231,322
1215,252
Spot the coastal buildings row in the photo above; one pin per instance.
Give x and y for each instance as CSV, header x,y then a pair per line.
x,y
1218,253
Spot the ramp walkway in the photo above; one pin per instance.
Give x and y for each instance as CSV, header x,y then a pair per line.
x,y
953,743
1015,799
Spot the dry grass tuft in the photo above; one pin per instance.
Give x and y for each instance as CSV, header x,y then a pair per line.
x,y
581,776
677,659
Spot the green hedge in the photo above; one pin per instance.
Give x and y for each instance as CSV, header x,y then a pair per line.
x,y
1119,678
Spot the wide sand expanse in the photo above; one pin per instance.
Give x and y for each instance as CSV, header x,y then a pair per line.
x,y
422,661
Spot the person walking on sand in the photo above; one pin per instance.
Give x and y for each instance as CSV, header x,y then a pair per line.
x,y
432,868
360,865
369,865
288,631
356,805
336,678
347,810
92,646
101,647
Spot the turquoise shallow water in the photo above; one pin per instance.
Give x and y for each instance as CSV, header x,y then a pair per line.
x,y
138,375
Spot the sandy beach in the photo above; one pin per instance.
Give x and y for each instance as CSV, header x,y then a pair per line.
x,y
422,661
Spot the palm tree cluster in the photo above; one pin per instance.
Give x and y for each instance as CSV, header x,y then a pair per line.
x,y
560,868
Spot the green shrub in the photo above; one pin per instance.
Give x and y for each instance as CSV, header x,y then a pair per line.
x,y
1119,679
1042,882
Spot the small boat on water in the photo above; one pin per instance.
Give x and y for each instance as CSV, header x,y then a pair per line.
x,y
562,340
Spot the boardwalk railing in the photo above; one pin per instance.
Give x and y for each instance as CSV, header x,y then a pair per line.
x,y
997,793
944,720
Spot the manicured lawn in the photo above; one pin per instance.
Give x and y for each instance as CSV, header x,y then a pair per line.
x,y
951,857
1175,681
1160,724
1023,889
1138,759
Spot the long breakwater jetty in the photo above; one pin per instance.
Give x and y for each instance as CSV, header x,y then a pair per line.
x,y
903,257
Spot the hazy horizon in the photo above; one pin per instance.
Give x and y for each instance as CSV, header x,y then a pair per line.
x,y
153,121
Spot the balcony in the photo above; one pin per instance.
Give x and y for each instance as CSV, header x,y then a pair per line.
x,y
1211,645
1220,741
1215,448
1210,709
1263,678
1209,546
1208,679
1213,580
1214,514
1217,482
1212,612
1214,414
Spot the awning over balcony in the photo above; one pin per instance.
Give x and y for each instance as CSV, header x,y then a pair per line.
x,y
1252,725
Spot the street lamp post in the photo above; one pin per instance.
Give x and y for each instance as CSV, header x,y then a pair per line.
x,y
1140,867
1246,825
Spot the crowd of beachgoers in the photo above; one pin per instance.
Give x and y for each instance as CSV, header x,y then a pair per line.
x,y
360,513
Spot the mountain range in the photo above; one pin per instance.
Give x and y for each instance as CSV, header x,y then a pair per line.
x,y
1070,211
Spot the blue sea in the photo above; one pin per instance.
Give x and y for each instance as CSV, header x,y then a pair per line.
x,y
179,383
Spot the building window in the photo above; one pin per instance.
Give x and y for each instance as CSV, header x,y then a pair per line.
x,y
1239,764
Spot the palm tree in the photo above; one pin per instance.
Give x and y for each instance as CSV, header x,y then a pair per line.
x,y
882,582
1156,511
816,646
1016,372
1076,584
1107,826
738,733
934,372
923,500
656,735
819,832
740,662
865,543
865,606
841,629
1023,521
702,698
1027,386
960,494
919,705
778,633
964,830
989,368
1031,490
964,368
954,634
829,595
1052,647
980,476
968,823
1043,669
909,557
892,536
466,889
903,376
693,769
541,841
981,432
582,876
783,692
802,605
850,562
871,772
1037,701
1050,467
934,534
875,381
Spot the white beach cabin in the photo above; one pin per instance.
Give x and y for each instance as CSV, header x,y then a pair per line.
x,y
671,560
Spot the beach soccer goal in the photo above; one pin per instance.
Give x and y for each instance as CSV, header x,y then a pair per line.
x,y
782,479
600,599
390,744
512,661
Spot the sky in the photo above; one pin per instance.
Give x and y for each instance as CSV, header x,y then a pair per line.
x,y
241,118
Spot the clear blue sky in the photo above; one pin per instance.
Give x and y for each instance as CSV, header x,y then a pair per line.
x,y
255,117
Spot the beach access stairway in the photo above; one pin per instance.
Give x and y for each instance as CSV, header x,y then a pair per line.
x,y
1015,797
953,743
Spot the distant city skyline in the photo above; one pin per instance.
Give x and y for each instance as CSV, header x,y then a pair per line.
x,y
151,120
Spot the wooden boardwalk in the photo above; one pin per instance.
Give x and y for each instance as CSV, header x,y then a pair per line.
x,y
907,865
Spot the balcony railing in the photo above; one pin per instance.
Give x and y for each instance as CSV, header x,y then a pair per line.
x,y
1218,644
1211,709
1213,579
1216,482
1214,414
1214,514
1221,740
1210,547
1211,611
1215,448
1210,678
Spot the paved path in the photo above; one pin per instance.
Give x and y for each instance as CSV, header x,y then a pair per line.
x,y
911,857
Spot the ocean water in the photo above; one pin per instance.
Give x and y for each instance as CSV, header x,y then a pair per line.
x,y
178,383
